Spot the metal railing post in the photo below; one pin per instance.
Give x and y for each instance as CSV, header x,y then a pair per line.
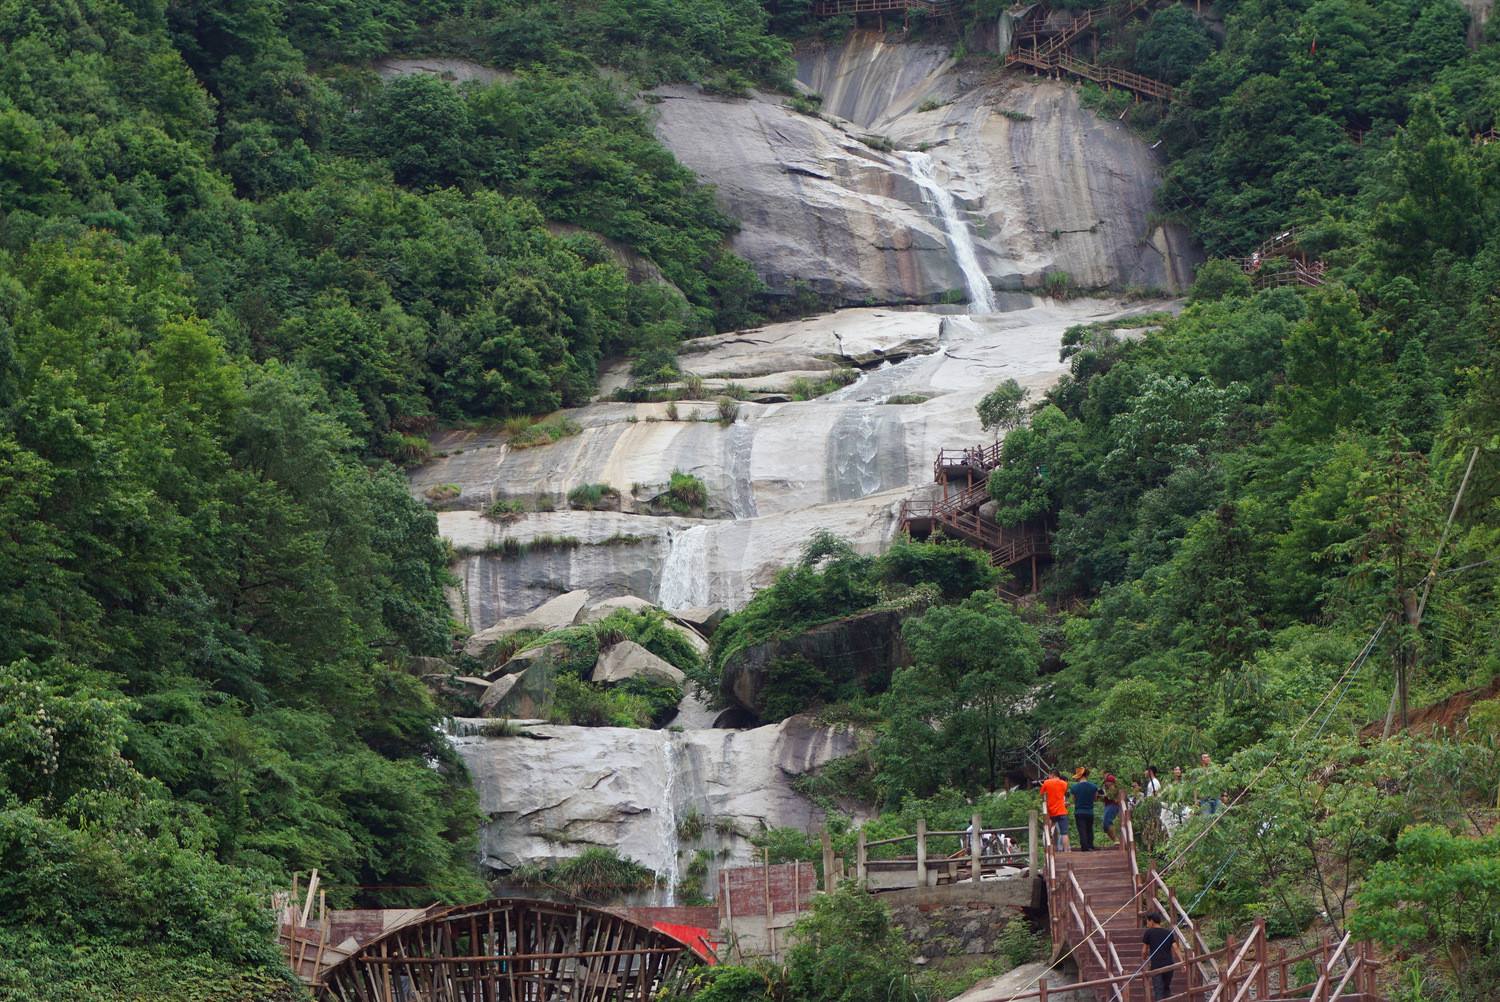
x,y
1033,839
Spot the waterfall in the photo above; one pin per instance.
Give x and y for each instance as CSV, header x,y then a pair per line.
x,y
960,240
741,441
666,820
684,574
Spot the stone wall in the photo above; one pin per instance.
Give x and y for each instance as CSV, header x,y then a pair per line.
x,y
956,921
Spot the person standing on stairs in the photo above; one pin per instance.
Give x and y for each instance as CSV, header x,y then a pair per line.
x,y
1084,794
1112,796
1055,803
1156,953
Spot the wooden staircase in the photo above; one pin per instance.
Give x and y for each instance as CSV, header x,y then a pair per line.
x,y
1096,906
1048,53
956,513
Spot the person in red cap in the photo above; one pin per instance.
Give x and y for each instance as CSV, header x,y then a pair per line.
x,y
1112,797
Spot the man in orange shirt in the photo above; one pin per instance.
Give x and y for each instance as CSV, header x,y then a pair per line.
x,y
1055,803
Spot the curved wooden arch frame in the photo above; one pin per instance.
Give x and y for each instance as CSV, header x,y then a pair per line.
x,y
509,950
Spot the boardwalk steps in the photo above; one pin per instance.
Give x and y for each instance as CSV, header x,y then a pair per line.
x,y
1097,903
963,475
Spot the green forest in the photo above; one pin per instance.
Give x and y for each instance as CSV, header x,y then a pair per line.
x,y
243,275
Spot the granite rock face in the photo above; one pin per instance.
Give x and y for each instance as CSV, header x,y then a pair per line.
x,y
551,791
842,461
551,615
865,649
1046,185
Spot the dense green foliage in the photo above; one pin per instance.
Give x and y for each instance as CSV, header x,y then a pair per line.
x,y
236,264
205,600
429,251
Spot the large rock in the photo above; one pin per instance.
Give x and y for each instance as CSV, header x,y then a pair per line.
x,y
524,695
842,462
1044,185
703,618
553,791
525,659
864,648
627,660
606,608
551,615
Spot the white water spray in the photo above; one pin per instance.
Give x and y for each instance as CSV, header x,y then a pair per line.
x,y
960,240
666,821
684,574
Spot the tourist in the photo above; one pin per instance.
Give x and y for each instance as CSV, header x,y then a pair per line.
x,y
1084,794
1207,800
1156,953
1055,803
1112,800
1153,783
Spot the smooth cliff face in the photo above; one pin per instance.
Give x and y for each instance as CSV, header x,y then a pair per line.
x,y
1047,186
775,475
550,792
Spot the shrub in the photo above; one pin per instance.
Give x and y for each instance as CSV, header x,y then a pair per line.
x,y
1015,116
596,873
805,103
504,510
729,409
592,497
847,950
908,398
685,493
545,432
439,493
931,104
803,388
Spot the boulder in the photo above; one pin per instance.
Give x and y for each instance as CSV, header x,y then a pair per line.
x,y
525,659
606,608
692,636
865,647
693,714
525,694
628,659
427,666
703,618
987,510
551,615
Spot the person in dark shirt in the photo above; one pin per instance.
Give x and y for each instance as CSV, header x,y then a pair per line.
x,y
1156,953
1084,793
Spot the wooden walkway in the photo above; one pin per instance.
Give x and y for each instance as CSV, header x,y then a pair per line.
x,y
964,477
1280,260
1097,903
1048,52
836,8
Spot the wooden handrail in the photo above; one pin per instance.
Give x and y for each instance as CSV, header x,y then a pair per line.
x,y
1319,990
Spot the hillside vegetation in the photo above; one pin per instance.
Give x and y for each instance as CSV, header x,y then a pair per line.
x,y
238,273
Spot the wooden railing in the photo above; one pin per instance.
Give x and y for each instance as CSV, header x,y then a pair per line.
x,y
833,8
1041,59
879,869
982,458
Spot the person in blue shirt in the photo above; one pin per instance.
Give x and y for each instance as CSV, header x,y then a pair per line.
x,y
1084,793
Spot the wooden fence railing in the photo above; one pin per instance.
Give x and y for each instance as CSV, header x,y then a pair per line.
x,y
944,856
834,8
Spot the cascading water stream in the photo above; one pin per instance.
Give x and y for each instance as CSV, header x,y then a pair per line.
x,y
960,239
666,821
684,574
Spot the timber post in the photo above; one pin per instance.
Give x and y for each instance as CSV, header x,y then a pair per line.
x,y
859,857
977,840
828,877
1033,841
921,852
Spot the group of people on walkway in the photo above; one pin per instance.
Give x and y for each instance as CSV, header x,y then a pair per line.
x,y
1113,796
